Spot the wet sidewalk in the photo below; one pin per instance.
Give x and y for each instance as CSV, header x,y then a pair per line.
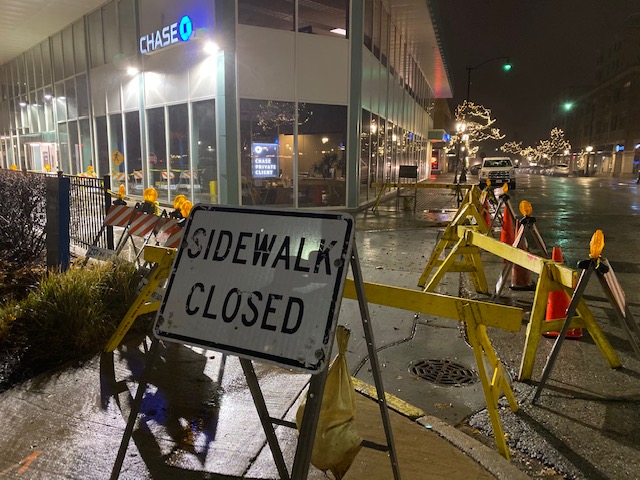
x,y
198,420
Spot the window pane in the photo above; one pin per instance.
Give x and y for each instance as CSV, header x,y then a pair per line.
x,y
133,153
80,47
72,104
376,27
28,59
368,23
67,46
157,147
365,156
178,174
266,128
384,33
96,47
63,135
102,145
322,17
204,137
46,63
74,149
86,157
20,76
82,95
116,142
322,134
37,66
56,42
276,14
61,102
111,36
127,19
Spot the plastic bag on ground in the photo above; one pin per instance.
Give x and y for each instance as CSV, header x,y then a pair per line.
x,y
337,442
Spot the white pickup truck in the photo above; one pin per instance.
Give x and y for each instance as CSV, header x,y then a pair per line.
x,y
499,170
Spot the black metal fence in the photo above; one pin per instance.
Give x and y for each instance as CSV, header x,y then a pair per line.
x,y
88,208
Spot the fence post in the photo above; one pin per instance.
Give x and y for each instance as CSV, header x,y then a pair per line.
x,y
58,221
107,205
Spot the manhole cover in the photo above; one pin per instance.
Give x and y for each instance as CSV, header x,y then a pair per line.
x,y
443,372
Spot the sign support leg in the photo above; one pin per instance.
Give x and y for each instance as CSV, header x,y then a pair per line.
x,y
571,311
135,408
373,357
263,413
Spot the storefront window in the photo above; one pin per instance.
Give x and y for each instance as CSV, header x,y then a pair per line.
x,y
133,153
157,150
74,149
205,173
266,128
72,105
179,176
86,155
63,135
322,153
365,156
61,102
82,95
102,145
116,142
279,14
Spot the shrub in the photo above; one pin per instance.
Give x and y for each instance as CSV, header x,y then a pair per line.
x,y
22,216
69,315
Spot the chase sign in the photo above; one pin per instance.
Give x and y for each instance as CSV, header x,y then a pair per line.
x,y
176,32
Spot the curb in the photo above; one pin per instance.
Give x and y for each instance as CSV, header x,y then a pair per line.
x,y
489,459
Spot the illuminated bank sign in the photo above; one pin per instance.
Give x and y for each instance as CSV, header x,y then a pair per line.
x,y
264,160
176,32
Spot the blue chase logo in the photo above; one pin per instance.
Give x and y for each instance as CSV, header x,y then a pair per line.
x,y
176,32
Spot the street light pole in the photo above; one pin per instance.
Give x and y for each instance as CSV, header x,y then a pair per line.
x,y
506,66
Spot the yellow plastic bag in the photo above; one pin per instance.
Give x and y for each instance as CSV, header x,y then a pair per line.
x,y
337,442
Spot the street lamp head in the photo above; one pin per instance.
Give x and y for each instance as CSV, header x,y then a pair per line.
x,y
507,66
567,106
589,148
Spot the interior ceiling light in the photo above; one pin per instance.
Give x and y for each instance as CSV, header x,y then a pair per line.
x,y
132,71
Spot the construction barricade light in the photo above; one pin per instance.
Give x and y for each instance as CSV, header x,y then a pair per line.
x,y
505,188
488,182
178,201
526,208
150,194
121,191
596,245
47,167
185,208
14,167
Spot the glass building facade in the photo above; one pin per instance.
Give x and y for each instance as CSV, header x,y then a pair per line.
x,y
289,103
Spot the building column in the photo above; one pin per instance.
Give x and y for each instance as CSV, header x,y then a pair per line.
x,y
354,112
227,105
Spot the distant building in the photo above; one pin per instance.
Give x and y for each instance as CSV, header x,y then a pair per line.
x,y
605,117
306,108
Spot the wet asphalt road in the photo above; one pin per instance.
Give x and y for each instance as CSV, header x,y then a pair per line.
x,y
587,422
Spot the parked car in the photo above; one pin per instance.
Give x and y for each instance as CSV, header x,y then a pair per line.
x,y
499,170
560,170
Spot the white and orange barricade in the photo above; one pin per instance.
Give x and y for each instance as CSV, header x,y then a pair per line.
x,y
117,216
118,176
168,175
170,233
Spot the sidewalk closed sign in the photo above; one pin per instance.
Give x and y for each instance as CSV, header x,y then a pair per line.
x,y
263,284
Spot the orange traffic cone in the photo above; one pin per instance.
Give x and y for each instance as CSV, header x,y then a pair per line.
x,y
508,232
520,276
558,303
486,214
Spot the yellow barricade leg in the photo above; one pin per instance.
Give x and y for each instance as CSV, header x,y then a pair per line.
x,y
444,267
598,337
163,257
534,328
494,383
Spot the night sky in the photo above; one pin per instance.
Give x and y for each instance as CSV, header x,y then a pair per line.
x,y
552,45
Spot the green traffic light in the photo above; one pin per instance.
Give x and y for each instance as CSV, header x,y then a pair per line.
x,y
506,67
567,106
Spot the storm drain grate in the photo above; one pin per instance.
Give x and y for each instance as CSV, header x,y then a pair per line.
x,y
443,372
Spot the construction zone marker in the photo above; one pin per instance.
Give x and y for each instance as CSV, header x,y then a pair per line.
x,y
596,264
